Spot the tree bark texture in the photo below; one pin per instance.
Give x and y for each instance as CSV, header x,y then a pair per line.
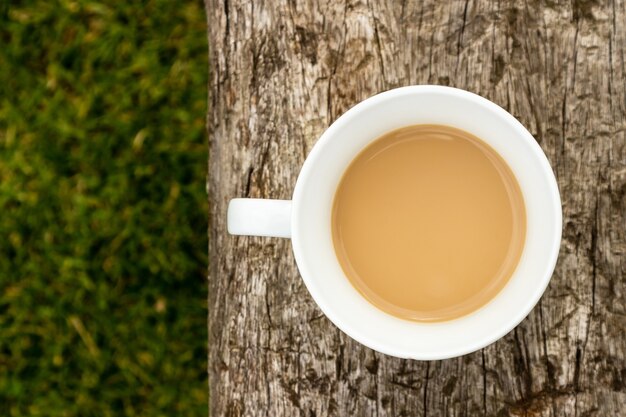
x,y
281,71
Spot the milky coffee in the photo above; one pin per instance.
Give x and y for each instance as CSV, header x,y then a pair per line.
x,y
428,223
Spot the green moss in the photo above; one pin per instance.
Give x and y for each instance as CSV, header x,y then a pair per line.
x,y
102,208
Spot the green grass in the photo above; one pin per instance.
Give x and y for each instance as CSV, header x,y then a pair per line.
x,y
103,208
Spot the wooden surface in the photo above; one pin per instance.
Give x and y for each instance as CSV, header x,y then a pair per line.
x,y
282,71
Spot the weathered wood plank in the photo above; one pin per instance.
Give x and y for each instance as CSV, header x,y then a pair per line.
x,y
282,71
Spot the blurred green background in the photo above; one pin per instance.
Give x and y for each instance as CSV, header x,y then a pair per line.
x,y
103,208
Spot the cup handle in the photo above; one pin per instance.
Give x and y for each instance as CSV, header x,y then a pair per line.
x,y
259,217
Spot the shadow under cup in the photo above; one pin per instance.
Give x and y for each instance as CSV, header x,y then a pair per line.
x,y
311,229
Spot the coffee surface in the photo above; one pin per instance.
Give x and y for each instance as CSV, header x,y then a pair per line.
x,y
428,223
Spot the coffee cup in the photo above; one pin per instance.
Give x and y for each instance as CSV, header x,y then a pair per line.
x,y
306,219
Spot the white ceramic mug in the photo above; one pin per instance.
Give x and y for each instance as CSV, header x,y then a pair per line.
x,y
307,220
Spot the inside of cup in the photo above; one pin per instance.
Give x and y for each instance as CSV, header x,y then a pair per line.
x,y
311,221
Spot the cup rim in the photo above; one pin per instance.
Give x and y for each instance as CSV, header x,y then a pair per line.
x,y
311,164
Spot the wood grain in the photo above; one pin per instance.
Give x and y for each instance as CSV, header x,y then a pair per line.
x,y
281,71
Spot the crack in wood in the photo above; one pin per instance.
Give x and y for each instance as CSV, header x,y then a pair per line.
x,y
426,379
484,369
